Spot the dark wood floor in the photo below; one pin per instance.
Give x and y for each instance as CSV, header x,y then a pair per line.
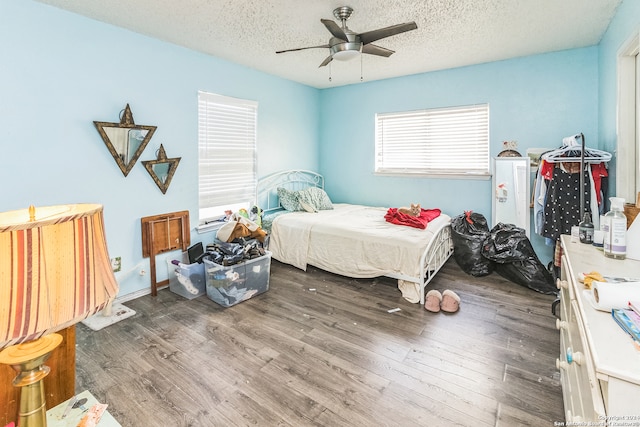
x,y
330,357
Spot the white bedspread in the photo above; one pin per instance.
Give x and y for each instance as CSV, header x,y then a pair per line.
x,y
351,240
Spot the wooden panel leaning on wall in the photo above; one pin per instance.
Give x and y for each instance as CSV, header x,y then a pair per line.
x,y
163,233
59,385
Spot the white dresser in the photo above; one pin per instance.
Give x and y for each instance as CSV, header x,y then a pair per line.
x,y
599,365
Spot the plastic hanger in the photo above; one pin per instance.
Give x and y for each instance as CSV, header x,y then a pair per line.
x,y
572,150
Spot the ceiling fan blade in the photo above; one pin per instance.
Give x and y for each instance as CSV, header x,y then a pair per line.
x,y
371,36
334,29
303,48
372,49
326,61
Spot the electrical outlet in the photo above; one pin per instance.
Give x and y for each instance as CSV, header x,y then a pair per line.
x,y
116,264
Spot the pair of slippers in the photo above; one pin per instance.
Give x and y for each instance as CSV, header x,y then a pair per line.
x,y
447,301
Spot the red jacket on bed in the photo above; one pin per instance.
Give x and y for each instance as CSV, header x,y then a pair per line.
x,y
426,215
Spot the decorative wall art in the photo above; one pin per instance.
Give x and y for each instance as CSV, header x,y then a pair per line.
x,y
125,140
162,169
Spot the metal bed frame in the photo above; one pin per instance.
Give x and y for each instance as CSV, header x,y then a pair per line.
x,y
437,252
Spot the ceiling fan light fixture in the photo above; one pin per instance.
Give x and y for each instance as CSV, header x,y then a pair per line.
x,y
345,51
345,45
346,55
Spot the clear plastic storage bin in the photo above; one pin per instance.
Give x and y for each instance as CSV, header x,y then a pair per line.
x,y
236,283
187,280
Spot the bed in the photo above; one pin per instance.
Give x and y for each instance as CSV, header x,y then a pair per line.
x,y
347,239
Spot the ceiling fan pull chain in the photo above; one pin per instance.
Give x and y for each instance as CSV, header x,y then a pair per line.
x,y
361,79
329,71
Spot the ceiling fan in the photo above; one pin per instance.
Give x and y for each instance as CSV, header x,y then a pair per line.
x,y
346,44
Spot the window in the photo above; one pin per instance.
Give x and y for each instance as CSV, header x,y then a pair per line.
x,y
442,141
227,155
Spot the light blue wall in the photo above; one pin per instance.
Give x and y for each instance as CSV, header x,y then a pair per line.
x,y
624,25
536,100
59,72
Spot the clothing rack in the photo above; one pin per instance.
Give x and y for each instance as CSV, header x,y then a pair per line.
x,y
581,217
567,153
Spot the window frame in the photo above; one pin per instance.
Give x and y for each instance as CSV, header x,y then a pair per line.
x,y
230,124
433,126
627,148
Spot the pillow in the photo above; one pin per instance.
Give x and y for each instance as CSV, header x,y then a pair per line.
x,y
316,197
289,199
307,207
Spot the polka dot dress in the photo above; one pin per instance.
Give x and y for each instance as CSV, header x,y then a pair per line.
x,y
562,205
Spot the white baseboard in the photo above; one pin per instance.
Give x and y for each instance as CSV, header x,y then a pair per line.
x,y
137,294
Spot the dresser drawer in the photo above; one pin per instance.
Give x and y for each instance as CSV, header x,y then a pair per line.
x,y
570,392
573,368
580,387
567,278
581,358
599,364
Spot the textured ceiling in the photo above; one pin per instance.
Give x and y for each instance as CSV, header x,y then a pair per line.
x,y
451,33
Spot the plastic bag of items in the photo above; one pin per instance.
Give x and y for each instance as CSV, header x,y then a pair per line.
x,y
468,232
515,258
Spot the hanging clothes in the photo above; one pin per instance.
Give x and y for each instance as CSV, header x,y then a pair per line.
x,y
562,204
574,165
593,206
539,197
598,184
600,176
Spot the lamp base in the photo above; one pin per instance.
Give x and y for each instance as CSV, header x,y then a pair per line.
x,y
28,360
106,317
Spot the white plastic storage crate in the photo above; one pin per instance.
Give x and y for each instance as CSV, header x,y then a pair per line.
x,y
187,280
236,283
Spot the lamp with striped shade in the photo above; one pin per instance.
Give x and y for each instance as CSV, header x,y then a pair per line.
x,y
54,272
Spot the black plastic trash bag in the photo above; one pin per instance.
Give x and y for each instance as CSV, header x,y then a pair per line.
x,y
507,243
530,273
468,232
516,260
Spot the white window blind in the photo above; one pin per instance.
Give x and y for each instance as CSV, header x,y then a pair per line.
x,y
227,154
436,141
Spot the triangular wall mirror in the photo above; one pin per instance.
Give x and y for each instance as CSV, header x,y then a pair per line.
x,y
162,169
125,140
